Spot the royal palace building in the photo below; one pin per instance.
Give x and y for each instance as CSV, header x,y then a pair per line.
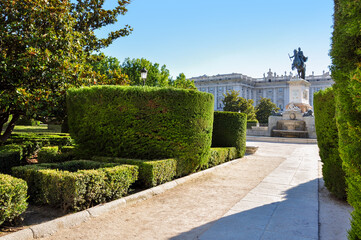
x,y
271,86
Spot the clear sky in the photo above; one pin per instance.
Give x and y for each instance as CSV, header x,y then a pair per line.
x,y
212,37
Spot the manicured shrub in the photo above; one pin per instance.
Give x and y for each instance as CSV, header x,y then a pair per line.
x,y
346,62
143,123
327,140
229,130
10,156
51,154
13,196
76,185
251,123
48,154
151,173
221,155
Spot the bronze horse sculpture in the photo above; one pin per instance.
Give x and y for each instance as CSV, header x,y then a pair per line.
x,y
299,63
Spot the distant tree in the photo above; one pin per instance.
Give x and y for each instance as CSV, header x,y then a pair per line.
x,y
108,70
234,103
264,109
46,46
182,82
157,75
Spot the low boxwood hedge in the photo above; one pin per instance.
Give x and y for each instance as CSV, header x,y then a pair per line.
x,y
221,155
13,196
143,123
229,130
151,173
76,185
10,156
51,154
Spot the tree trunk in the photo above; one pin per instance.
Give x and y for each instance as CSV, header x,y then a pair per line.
x,y
9,129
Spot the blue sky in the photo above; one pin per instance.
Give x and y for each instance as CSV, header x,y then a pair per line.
x,y
212,37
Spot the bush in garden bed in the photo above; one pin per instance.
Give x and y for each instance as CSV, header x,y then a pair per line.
x,y
143,123
151,173
229,130
76,185
51,154
13,196
221,155
10,156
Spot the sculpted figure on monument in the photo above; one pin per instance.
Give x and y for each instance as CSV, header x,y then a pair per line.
x,y
299,60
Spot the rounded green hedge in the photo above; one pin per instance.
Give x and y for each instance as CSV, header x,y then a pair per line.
x,y
142,122
13,196
229,130
327,140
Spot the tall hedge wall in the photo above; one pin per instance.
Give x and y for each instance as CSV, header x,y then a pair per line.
x,y
327,140
229,130
346,63
143,123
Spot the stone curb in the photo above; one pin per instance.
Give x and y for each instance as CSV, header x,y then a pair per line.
x,y
49,228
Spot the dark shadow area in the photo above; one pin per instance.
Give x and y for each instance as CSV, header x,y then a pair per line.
x,y
294,217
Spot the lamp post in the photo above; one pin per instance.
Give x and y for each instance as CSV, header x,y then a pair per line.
x,y
143,75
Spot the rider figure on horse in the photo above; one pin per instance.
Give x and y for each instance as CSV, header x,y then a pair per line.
x,y
299,63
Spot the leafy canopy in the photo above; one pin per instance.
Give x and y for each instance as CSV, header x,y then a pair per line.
x,y
45,48
234,103
264,109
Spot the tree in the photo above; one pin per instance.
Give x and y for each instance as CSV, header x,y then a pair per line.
x,y
234,103
182,82
45,48
157,76
264,109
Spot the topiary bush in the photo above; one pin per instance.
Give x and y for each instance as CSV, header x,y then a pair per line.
x,y
76,185
151,173
346,72
13,196
327,140
229,130
51,154
10,156
221,155
142,122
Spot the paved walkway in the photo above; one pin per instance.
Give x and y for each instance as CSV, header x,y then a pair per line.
x,y
272,194
283,206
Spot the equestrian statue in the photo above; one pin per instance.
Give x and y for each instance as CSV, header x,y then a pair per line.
x,y
299,62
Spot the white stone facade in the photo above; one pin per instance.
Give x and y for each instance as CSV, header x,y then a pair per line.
x,y
272,86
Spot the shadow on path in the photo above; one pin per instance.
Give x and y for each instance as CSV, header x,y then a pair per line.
x,y
272,211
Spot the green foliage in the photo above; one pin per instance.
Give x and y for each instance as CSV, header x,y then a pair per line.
x,y
151,173
143,123
264,109
234,103
51,154
182,82
251,123
10,156
157,75
46,48
327,140
346,63
76,185
13,196
25,121
221,155
229,130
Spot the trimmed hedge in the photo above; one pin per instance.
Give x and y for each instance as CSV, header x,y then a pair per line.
x,y
346,72
51,154
327,140
221,155
251,123
229,130
13,196
10,156
142,123
151,173
76,185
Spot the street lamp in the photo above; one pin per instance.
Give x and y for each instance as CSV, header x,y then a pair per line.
x,y
143,75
